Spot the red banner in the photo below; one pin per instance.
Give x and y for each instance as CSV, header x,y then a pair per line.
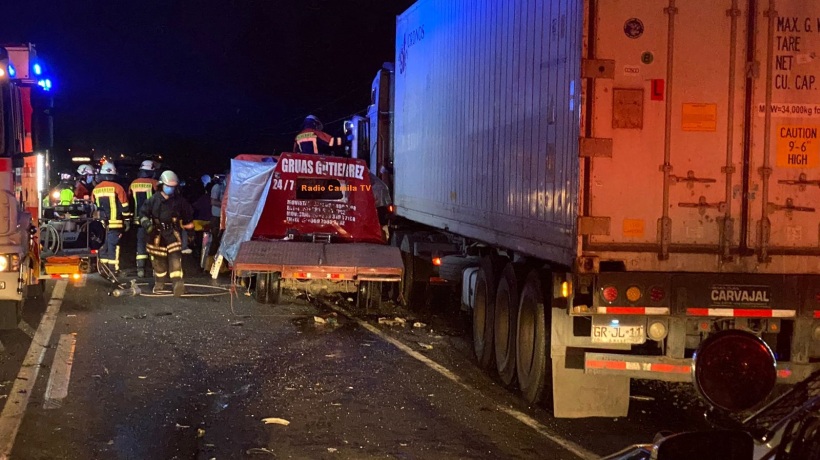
x,y
314,194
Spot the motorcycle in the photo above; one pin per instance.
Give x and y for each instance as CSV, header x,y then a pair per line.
x,y
735,372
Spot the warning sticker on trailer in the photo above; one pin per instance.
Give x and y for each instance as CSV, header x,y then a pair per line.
x,y
699,117
633,228
798,146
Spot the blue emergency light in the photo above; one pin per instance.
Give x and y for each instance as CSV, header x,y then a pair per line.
x,y
12,71
37,69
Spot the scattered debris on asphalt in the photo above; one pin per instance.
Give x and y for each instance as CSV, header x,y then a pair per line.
x,y
275,421
319,320
641,398
425,346
260,450
419,325
163,313
142,377
210,393
332,450
397,321
181,427
200,432
238,323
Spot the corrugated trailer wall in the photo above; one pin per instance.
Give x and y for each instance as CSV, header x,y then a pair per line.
x,y
700,178
487,107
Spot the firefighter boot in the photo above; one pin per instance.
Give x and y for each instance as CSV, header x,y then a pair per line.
x,y
179,288
159,286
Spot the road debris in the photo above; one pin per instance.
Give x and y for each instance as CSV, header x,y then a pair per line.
x,y
397,321
425,346
238,323
275,421
260,450
319,320
210,393
142,377
200,432
181,427
419,325
332,450
641,398
163,313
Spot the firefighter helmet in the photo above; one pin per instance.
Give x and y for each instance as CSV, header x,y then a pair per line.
x,y
148,165
108,168
169,178
66,176
312,121
85,170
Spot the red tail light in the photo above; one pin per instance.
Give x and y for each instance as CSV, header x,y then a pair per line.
x,y
391,208
610,294
436,261
657,294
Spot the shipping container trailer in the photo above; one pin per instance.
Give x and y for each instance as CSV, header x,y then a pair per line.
x,y
610,181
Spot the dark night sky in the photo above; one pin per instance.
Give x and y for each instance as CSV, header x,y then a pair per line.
x,y
203,79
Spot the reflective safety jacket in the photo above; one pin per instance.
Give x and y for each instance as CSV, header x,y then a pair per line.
x,y
112,202
66,196
315,141
140,190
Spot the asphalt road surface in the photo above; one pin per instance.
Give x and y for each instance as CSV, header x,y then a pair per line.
x,y
224,377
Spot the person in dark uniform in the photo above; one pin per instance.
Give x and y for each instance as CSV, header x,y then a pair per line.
x,y
141,189
164,216
311,139
112,203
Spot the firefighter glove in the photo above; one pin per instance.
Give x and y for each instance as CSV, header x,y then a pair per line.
x,y
127,226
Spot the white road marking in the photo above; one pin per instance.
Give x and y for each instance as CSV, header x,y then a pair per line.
x,y
15,408
57,388
570,446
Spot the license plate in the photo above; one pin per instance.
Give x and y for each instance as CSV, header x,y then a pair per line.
x,y
618,334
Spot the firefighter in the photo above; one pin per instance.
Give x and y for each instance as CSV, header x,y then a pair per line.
x,y
85,182
112,203
311,139
164,216
143,187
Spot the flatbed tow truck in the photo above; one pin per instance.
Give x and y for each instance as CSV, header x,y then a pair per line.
x,y
307,222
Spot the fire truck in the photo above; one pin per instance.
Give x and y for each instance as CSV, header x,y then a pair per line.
x,y
25,144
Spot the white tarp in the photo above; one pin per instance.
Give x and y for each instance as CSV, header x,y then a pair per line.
x,y
247,193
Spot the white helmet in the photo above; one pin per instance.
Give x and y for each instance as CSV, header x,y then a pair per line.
x,y
148,165
169,178
108,168
85,170
66,176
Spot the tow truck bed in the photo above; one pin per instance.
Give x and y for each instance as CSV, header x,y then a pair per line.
x,y
294,259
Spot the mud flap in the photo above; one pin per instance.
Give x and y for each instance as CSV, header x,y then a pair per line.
x,y
576,394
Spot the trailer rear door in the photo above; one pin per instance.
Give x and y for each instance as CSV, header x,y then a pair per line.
x,y
698,165
785,161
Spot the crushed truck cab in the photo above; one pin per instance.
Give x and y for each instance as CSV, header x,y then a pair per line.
x,y
315,226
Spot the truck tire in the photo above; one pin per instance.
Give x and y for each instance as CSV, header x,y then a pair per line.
x,y
532,346
506,324
268,287
483,314
451,267
33,291
412,289
369,295
11,313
